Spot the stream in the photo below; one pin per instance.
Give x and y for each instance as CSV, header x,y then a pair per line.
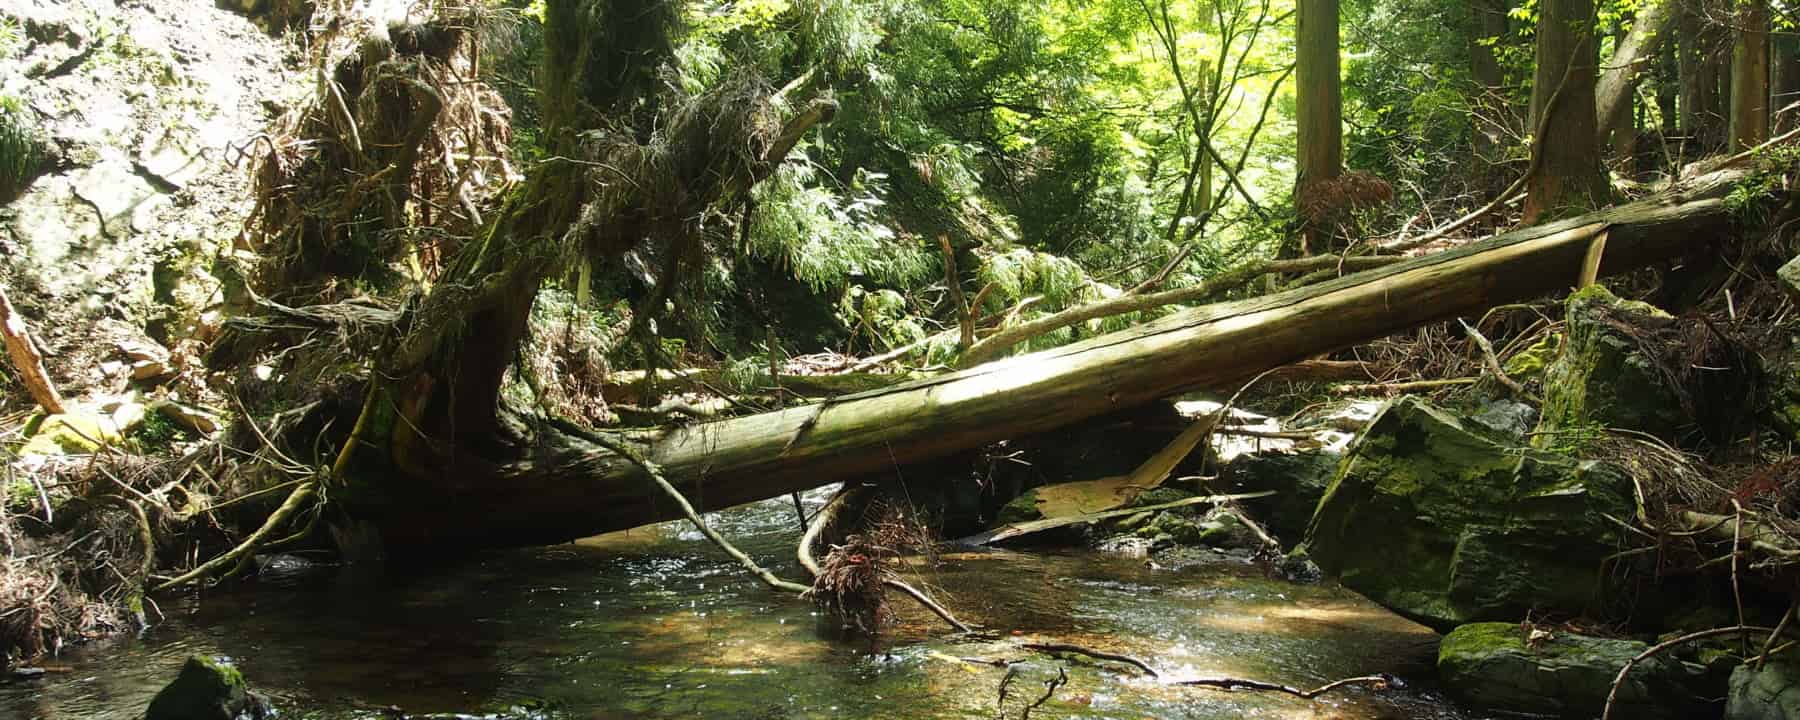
x,y
655,623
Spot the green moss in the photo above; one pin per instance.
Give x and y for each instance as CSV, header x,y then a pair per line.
x,y
157,431
206,689
1602,378
1447,526
1493,665
1531,362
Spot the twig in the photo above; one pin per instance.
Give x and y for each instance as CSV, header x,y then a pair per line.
x,y
1492,362
1097,654
1400,387
295,499
1769,644
1050,686
1618,681
693,515
1377,681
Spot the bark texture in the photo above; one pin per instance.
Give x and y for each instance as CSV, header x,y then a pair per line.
x,y
1567,176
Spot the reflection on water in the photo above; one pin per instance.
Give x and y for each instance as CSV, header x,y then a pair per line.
x,y
655,623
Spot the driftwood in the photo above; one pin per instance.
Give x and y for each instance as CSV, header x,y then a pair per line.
x,y
26,358
1017,530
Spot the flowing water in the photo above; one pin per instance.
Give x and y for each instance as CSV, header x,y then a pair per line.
x,y
654,623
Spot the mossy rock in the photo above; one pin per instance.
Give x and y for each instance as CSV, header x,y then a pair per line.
x,y
1448,526
1491,666
1769,693
1530,363
1603,378
206,689
73,432
1023,508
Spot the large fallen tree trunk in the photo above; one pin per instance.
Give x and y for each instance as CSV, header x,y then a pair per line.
x,y
556,484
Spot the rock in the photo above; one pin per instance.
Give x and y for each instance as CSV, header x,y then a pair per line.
x,y
149,370
73,432
124,200
1299,479
1771,693
172,158
193,420
1603,377
207,689
1789,275
1492,666
1506,419
1449,526
142,351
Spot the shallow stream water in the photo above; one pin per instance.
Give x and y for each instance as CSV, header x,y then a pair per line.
x,y
654,623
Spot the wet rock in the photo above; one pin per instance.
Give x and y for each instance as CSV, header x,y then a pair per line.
x,y
1769,693
1503,666
1298,479
1449,526
207,689
1604,377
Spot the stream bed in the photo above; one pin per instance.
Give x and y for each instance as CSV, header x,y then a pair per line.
x,y
655,623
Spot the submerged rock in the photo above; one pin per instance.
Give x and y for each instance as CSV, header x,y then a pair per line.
x,y
1447,526
1769,693
1603,377
1497,666
207,689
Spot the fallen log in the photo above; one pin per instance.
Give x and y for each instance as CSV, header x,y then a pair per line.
x,y
557,486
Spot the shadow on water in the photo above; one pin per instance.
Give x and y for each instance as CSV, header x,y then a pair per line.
x,y
654,623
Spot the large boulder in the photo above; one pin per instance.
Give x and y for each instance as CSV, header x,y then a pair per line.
x,y
1605,376
1771,692
1448,525
1504,666
1299,479
207,689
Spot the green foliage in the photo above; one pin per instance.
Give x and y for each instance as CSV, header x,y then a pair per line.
x,y
157,432
21,153
827,238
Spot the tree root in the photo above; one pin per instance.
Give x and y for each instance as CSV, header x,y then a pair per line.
x,y
239,555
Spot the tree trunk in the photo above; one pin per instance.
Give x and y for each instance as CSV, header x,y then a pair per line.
x,y
1318,103
1784,81
1635,51
1491,123
556,484
26,358
1750,76
1565,149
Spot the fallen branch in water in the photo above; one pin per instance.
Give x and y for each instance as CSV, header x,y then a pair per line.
x,y
693,516
1378,682
825,517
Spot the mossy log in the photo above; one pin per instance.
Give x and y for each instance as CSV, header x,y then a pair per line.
x,y
552,483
